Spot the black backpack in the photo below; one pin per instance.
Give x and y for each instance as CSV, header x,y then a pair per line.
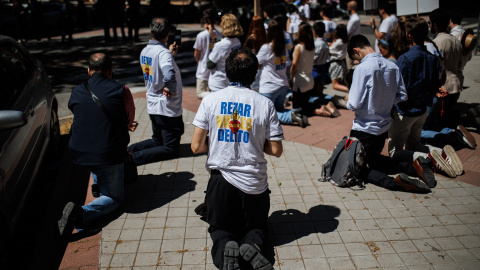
x,y
343,168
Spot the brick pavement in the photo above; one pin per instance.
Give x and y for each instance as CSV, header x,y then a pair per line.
x,y
314,225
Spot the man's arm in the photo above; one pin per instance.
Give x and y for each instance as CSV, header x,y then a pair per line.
x,y
199,141
196,54
378,35
166,65
273,148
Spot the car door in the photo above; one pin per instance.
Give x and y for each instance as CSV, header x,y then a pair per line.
x,y
21,148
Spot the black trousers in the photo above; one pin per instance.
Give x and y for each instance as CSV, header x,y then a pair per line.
x,y
378,165
235,215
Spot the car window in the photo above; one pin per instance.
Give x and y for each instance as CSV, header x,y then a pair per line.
x,y
15,70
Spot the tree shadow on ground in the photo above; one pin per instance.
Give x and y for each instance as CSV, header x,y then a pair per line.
x,y
291,224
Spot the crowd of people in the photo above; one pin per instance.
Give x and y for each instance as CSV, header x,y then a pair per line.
x,y
402,89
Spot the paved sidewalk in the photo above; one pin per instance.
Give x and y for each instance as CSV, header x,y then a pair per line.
x,y
314,225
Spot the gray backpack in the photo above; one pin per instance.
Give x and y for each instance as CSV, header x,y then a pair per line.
x,y
343,168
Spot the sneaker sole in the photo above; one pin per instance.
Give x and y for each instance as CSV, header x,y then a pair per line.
x,y
455,161
411,184
467,137
427,176
62,223
231,255
256,259
447,168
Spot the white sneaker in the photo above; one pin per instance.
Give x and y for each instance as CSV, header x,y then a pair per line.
x,y
440,164
449,154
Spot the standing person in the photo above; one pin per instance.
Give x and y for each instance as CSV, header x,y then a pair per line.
x,y
66,21
203,46
451,50
377,85
325,13
231,30
293,20
338,51
457,31
255,39
353,25
272,58
164,97
98,141
304,11
237,196
419,70
133,14
386,26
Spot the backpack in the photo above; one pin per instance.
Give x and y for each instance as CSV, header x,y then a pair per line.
x,y
343,167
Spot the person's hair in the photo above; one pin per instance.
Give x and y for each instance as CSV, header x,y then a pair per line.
x,y
256,34
319,28
231,26
327,10
276,37
159,28
456,16
305,36
241,66
440,18
382,43
357,41
209,16
100,62
280,19
353,5
417,28
341,33
291,8
398,38
388,8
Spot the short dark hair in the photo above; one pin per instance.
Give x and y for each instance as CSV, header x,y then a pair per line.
x,y
440,18
100,62
159,28
209,16
280,19
417,28
319,28
387,7
241,66
357,41
456,15
341,33
327,10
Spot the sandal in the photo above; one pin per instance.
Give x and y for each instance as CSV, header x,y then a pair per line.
x,y
323,111
333,110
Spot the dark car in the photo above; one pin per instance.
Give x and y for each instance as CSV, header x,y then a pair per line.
x,y
29,130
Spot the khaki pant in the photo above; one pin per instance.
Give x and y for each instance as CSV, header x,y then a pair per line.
x,y
202,88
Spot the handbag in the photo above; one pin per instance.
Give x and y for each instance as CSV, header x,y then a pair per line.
x,y
131,173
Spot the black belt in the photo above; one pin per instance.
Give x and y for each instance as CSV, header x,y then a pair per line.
x,y
215,172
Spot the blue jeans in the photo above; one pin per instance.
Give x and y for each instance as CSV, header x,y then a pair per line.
x,y
278,97
110,184
165,141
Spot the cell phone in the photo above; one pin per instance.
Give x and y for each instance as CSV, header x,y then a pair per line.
x,y
175,36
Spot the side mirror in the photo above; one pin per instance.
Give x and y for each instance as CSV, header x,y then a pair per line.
x,y
11,119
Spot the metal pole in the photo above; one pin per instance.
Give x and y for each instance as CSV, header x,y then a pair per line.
x,y
256,8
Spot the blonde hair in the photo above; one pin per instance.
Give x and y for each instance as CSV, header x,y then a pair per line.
x,y
231,26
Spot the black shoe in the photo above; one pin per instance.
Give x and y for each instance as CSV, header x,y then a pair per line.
x,y
424,171
71,212
252,254
95,191
409,184
230,256
298,118
464,136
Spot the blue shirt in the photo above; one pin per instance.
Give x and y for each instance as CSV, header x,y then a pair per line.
x,y
376,86
419,70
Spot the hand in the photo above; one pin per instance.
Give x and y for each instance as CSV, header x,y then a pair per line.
x,y
442,92
173,48
346,98
372,23
167,93
133,126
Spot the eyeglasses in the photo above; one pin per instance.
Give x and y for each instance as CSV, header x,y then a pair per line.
x,y
384,42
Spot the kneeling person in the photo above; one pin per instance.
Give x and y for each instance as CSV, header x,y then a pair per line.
x,y
243,125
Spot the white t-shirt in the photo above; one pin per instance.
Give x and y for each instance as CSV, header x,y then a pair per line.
x,y
386,26
204,43
329,31
218,78
353,26
239,120
155,58
338,50
294,23
274,72
304,10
